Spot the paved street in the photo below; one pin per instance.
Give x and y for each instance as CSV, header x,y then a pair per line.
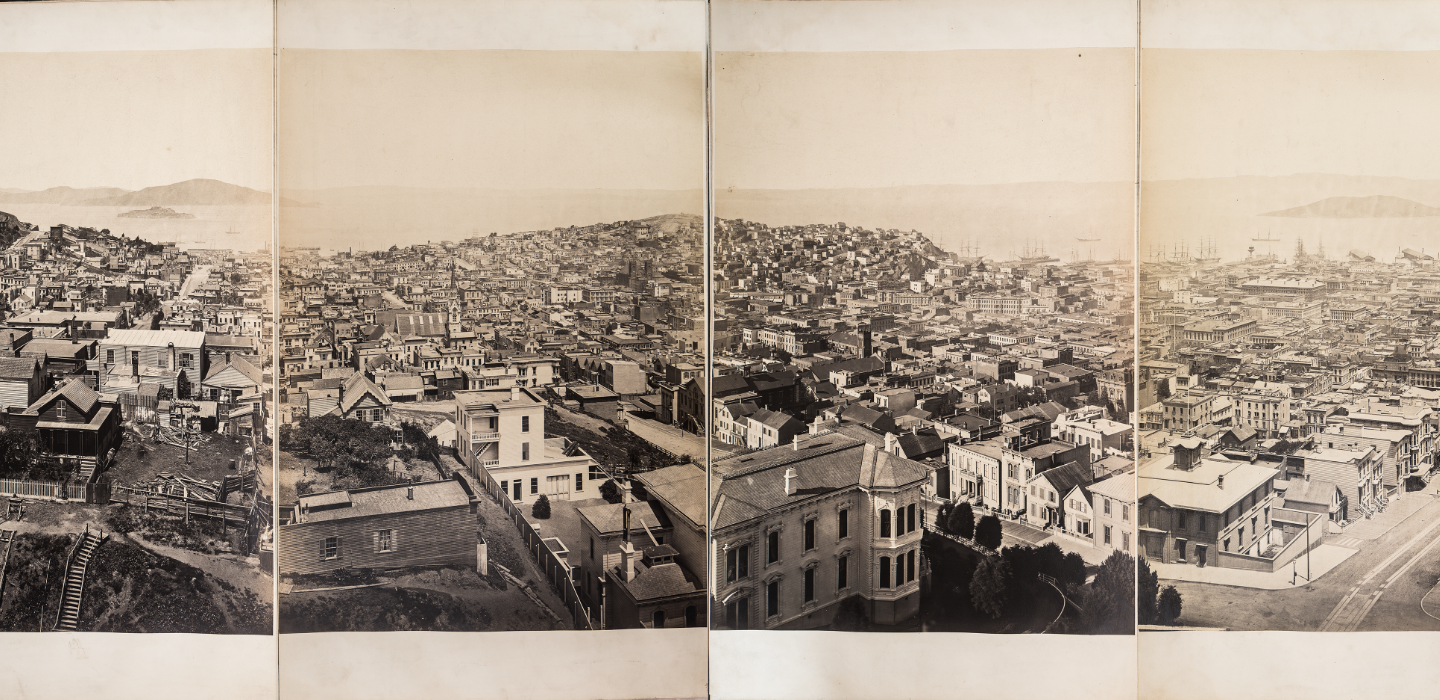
x,y
1381,587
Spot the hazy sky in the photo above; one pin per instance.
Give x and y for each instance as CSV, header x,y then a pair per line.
x,y
879,119
492,119
1220,113
135,119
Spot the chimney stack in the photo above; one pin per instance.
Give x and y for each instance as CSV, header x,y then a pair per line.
x,y
790,478
627,560
795,442
514,393
890,443
410,493
1220,481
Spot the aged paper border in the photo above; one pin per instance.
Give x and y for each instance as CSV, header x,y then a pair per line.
x,y
1266,665
68,664
553,665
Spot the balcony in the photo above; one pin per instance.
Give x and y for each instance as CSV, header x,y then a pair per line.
x,y
485,437
487,463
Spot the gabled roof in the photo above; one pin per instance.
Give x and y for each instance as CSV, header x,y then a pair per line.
x,y
75,391
22,368
1066,476
355,388
239,365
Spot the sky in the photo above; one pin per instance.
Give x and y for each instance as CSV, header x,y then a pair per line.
x,y
1232,112
136,119
800,120
504,119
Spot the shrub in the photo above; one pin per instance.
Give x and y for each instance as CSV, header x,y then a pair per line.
x,y
541,509
989,587
610,491
1170,605
988,532
962,520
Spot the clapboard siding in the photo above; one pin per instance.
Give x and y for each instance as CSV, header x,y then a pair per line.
x,y
15,393
321,405
430,537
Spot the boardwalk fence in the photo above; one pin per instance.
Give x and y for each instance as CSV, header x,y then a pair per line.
x,y
556,571
68,490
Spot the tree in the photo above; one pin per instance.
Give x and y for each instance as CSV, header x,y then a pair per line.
x,y
990,586
988,532
19,453
962,520
541,509
610,491
1170,606
1072,570
1148,594
1162,389
1110,605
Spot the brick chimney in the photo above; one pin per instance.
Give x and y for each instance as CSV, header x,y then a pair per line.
x,y
791,477
891,442
514,393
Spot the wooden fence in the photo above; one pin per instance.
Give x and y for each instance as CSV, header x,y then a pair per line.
x,y
69,490
556,571
236,515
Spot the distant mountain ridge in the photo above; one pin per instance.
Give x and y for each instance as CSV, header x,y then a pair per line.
x,y
1373,207
197,192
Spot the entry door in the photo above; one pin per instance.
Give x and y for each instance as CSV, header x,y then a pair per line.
x,y
1155,548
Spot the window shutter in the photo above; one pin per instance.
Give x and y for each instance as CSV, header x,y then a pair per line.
x,y
337,548
375,540
394,540
322,549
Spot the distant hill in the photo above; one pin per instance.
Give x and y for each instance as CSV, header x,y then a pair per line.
x,y
1373,207
61,195
198,192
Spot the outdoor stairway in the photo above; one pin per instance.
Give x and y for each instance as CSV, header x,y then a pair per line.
x,y
75,581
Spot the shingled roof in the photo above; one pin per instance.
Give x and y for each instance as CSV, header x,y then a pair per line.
x,y
749,486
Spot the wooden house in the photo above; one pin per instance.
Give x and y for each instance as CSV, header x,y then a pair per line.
x,y
425,524
22,381
76,425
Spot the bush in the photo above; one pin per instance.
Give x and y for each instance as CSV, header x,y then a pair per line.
x,y
1170,606
990,586
988,532
1148,595
962,521
610,491
541,509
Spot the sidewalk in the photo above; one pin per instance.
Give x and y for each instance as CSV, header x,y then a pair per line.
x,y
1394,514
1322,560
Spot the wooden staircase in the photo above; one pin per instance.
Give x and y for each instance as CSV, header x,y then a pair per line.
x,y
70,597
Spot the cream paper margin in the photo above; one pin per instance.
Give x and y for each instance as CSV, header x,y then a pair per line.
x,y
552,665
1270,665
62,665
755,665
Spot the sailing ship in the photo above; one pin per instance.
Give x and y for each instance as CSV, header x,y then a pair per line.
x,y
1034,253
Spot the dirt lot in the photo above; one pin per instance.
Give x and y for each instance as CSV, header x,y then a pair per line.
x,y
128,589
295,469
448,599
208,462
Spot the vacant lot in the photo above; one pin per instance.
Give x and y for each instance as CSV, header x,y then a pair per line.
x,y
443,600
141,461
127,589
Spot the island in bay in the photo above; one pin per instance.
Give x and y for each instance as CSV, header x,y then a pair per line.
x,y
155,213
